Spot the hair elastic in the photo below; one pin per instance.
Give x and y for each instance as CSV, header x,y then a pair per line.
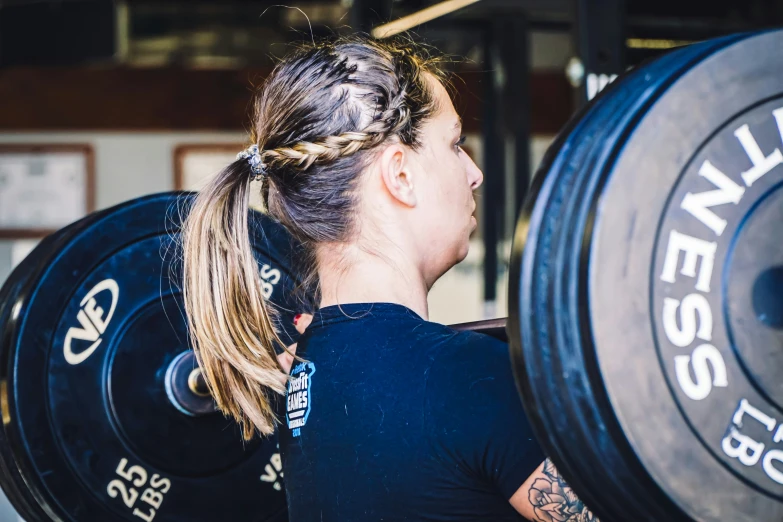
x,y
254,160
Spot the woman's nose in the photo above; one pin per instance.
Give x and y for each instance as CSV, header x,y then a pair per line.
x,y
475,176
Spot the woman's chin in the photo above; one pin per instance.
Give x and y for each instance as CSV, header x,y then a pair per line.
x,y
463,252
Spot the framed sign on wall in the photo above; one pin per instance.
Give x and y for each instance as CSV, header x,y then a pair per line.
x,y
196,164
44,187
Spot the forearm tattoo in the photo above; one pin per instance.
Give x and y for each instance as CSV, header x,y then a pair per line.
x,y
554,501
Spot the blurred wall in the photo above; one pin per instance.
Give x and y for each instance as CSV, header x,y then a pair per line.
x,y
129,165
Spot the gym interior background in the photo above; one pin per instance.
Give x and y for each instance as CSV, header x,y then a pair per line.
x,y
102,102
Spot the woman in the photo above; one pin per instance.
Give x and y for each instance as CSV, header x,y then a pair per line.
x,y
387,416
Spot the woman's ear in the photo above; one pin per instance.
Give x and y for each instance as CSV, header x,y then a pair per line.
x,y
395,164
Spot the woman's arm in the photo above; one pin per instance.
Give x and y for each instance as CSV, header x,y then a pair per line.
x,y
545,497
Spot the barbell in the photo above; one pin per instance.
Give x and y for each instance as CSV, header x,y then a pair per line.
x,y
645,323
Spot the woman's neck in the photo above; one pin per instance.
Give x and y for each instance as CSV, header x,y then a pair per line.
x,y
350,274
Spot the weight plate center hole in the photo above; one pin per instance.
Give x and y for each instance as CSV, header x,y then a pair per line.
x,y
768,297
197,384
186,388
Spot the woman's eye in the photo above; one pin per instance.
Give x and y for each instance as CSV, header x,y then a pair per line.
x,y
460,142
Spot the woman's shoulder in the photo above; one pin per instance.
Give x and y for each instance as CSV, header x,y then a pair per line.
x,y
466,345
468,359
472,399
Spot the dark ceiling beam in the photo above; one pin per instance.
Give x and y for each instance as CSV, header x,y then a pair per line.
x,y
120,99
366,14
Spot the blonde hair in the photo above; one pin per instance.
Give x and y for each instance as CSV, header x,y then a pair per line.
x,y
316,116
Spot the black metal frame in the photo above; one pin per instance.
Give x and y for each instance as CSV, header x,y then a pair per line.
x,y
506,112
600,30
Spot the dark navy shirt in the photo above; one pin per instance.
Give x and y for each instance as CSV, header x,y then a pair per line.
x,y
393,417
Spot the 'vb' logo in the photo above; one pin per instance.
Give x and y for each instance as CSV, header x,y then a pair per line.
x,y
91,320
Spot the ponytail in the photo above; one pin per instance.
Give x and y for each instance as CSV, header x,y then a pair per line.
x,y
230,325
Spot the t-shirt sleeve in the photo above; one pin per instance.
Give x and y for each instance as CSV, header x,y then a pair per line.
x,y
476,415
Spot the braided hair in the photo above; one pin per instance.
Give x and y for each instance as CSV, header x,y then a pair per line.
x,y
338,103
318,118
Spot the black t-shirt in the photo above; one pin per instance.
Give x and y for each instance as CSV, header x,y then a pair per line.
x,y
395,418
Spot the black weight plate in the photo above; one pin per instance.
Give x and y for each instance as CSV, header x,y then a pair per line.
x,y
586,298
554,372
746,92
11,481
94,432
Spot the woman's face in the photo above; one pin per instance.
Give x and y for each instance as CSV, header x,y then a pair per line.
x,y
446,179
